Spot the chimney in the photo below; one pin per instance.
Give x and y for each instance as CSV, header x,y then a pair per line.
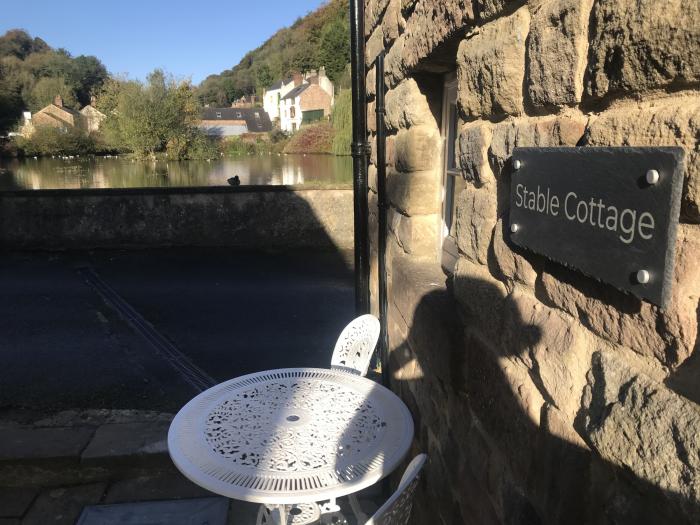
x,y
58,101
93,100
298,79
322,71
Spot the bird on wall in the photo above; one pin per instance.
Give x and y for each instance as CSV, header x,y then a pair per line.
x,y
234,181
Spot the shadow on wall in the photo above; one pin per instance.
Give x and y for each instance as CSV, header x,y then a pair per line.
x,y
496,455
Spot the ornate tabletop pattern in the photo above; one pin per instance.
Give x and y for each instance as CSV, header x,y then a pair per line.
x,y
295,435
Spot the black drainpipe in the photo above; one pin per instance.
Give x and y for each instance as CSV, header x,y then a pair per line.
x,y
382,211
360,153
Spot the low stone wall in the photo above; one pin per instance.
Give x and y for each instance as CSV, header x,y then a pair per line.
x,y
247,218
540,395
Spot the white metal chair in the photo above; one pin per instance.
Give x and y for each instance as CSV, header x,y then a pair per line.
x,y
397,509
355,346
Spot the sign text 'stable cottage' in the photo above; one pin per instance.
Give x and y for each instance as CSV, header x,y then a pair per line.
x,y
291,436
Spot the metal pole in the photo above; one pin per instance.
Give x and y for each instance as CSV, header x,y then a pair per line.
x,y
382,220
360,150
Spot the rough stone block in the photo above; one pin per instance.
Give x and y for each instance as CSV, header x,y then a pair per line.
x,y
374,45
372,117
514,268
474,142
374,11
406,106
393,22
557,51
669,122
489,9
641,45
481,296
555,347
477,215
418,149
492,385
642,427
670,335
415,193
431,23
372,84
418,234
561,130
491,67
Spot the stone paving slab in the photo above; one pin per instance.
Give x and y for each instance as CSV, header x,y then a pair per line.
x,y
29,444
14,502
202,511
114,442
152,488
63,506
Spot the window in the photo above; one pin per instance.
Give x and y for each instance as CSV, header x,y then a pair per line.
x,y
218,114
452,179
292,112
239,114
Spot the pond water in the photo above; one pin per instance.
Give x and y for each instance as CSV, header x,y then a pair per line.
x,y
105,172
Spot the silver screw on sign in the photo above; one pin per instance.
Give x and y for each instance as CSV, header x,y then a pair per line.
x,y
514,228
643,277
517,164
653,177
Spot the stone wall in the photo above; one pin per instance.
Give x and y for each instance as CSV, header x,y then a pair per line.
x,y
540,395
264,217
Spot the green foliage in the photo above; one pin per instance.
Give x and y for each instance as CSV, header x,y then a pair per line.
x,y
342,123
29,69
318,39
46,89
158,116
334,49
53,141
312,139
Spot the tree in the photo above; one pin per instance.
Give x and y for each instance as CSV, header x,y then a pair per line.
x,y
45,90
89,74
334,50
18,43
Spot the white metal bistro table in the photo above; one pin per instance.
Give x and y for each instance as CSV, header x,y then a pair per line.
x,y
297,435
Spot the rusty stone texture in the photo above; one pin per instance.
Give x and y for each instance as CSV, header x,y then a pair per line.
x,y
667,122
474,142
669,335
418,149
640,426
557,51
476,218
638,45
414,193
491,67
431,23
514,268
406,106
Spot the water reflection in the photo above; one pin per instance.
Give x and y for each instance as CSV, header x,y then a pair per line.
x,y
310,170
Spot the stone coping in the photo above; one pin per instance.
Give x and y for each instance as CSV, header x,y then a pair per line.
x,y
191,190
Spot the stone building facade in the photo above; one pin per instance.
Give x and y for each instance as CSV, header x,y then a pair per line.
x,y
540,395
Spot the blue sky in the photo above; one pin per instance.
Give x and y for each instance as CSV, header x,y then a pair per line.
x,y
187,38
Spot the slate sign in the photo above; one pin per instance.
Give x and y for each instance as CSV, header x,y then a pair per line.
x,y
611,213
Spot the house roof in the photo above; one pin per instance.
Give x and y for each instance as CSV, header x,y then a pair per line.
x,y
257,119
294,93
277,85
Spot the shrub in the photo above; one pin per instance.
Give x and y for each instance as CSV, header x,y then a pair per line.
x,y
52,141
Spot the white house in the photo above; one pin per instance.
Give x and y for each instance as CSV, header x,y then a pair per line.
x,y
273,95
300,99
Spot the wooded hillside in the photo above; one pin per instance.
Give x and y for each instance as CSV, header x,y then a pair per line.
x,y
322,38
32,74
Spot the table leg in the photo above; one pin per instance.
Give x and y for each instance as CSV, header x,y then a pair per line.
x,y
279,514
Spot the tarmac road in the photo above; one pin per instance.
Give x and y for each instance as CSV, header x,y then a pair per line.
x,y
130,329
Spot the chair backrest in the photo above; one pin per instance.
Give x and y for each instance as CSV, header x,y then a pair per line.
x,y
356,344
397,509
